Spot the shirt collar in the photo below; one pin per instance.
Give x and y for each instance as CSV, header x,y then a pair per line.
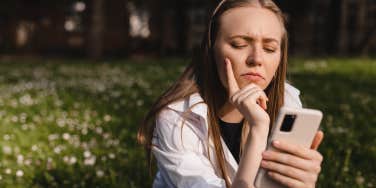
x,y
195,98
201,110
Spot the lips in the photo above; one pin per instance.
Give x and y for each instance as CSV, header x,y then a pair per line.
x,y
253,76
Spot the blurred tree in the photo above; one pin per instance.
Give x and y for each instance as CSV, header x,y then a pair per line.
x,y
366,27
157,10
361,26
109,28
320,27
95,43
170,23
343,27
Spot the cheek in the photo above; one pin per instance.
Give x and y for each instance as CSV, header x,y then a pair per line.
x,y
272,68
221,66
219,61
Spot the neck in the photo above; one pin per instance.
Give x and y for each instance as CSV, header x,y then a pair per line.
x,y
230,114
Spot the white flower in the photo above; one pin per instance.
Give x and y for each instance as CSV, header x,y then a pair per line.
x,y
84,131
26,100
58,103
20,159
72,160
111,156
19,173
359,180
90,161
52,137
106,135
139,102
24,127
100,173
27,162
14,119
60,122
6,137
8,171
66,159
84,145
87,154
99,130
66,136
57,149
7,149
107,118
23,117
115,142
34,148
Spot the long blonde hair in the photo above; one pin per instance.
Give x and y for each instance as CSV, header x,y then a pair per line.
x,y
200,77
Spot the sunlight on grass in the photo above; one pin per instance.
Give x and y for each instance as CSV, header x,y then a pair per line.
x,y
72,123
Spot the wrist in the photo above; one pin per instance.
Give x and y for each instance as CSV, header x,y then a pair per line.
x,y
261,129
238,182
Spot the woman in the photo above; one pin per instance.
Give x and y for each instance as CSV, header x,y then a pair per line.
x,y
210,128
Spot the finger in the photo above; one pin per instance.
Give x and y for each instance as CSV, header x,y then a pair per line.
x,y
297,150
256,93
263,100
287,181
231,81
240,92
264,105
260,98
285,170
317,140
291,160
246,91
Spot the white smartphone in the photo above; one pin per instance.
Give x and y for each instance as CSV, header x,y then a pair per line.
x,y
293,125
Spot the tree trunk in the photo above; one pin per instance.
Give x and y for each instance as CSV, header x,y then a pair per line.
x,y
96,31
156,21
182,25
342,33
361,25
368,42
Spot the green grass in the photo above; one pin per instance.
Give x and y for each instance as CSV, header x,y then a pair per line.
x,y
72,123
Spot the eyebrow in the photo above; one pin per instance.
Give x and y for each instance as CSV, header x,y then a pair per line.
x,y
247,38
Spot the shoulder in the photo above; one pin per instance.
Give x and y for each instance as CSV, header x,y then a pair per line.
x,y
177,123
189,109
292,98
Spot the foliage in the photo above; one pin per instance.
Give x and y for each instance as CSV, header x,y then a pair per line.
x,y
73,123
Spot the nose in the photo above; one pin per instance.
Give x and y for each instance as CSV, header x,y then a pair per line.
x,y
255,57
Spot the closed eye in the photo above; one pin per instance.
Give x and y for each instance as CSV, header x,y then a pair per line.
x,y
238,46
269,50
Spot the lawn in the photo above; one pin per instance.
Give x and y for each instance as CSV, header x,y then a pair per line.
x,y
73,123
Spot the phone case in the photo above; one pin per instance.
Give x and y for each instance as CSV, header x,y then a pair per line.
x,y
307,122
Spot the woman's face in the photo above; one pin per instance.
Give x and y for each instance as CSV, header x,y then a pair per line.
x,y
251,38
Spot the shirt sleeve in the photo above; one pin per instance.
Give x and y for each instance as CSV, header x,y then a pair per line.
x,y
180,153
292,98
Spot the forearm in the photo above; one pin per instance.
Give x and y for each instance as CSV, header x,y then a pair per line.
x,y
252,156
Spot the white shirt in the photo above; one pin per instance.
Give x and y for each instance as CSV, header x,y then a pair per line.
x,y
181,151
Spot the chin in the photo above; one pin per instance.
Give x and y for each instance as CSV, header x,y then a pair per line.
x,y
260,84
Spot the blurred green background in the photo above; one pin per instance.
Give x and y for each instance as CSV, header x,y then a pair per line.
x,y
72,123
